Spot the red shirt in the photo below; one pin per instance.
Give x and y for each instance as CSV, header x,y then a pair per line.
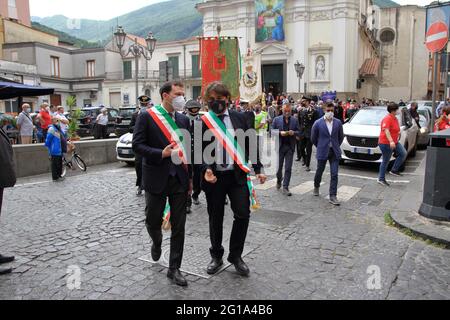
x,y
46,118
390,122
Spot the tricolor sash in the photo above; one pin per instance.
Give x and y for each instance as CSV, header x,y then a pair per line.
x,y
233,149
172,133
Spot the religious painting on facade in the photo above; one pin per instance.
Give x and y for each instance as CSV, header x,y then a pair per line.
x,y
269,20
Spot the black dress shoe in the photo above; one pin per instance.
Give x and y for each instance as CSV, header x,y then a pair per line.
x,y
4,259
139,192
214,266
195,201
177,277
241,268
156,252
5,271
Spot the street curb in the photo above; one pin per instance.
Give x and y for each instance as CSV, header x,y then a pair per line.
x,y
422,227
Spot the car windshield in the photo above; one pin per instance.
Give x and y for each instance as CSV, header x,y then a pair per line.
x,y
369,117
113,113
126,113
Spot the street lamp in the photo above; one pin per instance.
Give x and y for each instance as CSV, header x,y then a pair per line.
x,y
300,69
135,50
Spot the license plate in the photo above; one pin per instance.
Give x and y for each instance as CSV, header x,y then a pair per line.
x,y
362,150
126,122
125,151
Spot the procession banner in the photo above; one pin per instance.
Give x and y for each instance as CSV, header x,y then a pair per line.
x,y
251,85
270,20
220,62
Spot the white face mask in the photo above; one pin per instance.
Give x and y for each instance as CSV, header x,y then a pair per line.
x,y
179,103
329,116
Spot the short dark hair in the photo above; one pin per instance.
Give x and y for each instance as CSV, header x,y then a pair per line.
x,y
392,106
217,87
167,87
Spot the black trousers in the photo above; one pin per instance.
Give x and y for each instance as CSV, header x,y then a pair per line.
x,y
56,165
196,179
138,168
1,199
306,149
102,132
299,149
155,205
239,196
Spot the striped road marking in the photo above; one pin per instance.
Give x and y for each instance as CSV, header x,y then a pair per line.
x,y
304,188
266,186
345,193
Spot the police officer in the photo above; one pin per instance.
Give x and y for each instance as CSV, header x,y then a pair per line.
x,y
307,117
144,104
193,113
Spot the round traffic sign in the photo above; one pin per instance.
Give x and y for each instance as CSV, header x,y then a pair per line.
x,y
437,37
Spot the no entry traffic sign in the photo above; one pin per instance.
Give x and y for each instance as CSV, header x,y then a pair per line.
x,y
437,37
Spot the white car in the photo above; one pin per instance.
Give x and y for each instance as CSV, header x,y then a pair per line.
x,y
363,130
124,149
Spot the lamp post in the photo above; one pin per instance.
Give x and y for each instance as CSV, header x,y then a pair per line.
x,y
135,50
300,69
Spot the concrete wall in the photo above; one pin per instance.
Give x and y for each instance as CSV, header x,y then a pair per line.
x,y
33,159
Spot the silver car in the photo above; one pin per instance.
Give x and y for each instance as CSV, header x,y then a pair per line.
x,y
363,130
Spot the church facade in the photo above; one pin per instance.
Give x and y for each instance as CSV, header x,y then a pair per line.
x,y
333,39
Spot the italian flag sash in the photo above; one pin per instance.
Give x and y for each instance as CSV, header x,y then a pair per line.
x,y
233,149
172,133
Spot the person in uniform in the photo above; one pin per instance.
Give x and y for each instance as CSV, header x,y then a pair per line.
x,y
193,113
307,117
224,177
144,102
166,181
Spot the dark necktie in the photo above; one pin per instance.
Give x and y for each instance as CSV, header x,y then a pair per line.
x,y
224,152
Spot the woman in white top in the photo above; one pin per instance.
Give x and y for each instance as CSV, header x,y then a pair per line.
x,y
102,125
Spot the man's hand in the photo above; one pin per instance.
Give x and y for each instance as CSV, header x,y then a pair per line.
x,y
262,178
393,145
210,177
167,152
284,133
291,133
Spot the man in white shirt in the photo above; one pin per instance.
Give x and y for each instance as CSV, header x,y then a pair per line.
x,y
62,119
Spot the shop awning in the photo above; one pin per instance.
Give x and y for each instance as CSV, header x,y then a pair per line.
x,y
370,67
10,90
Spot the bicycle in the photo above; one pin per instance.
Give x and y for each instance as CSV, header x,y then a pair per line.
x,y
74,159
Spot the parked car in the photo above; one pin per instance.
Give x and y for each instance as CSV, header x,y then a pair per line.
x,y
124,149
89,118
363,130
123,121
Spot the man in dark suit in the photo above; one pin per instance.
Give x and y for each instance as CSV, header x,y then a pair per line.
x,y
222,177
286,127
327,135
163,177
306,119
7,180
144,102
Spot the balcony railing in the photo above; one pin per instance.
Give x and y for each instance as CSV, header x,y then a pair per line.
x,y
153,75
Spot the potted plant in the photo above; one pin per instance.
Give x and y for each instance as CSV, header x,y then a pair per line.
x,y
73,124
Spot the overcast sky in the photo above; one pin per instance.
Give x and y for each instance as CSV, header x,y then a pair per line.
x,y
107,9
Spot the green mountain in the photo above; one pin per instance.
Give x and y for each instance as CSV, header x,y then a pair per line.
x,y
80,43
170,20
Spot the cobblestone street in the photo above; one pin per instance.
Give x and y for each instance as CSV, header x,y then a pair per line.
x,y
300,247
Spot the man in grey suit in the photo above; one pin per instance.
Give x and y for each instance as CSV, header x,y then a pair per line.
x,y
7,180
287,128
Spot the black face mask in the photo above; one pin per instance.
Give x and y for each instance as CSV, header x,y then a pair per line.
x,y
217,106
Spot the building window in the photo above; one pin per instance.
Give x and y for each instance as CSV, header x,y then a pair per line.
x,y
55,70
174,65
127,70
90,68
12,9
387,35
196,73
14,56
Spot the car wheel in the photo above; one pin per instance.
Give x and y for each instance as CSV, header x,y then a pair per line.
x,y
342,162
130,164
